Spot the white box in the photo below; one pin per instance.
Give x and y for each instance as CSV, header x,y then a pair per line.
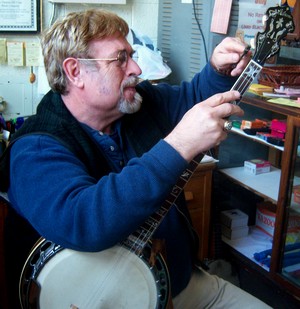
x,y
257,166
237,232
234,218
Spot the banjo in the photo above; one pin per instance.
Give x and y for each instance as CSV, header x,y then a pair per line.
x,y
133,273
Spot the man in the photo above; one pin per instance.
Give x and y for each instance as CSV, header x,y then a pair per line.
x,y
104,151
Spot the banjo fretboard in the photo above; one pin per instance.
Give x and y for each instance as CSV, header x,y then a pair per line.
x,y
138,240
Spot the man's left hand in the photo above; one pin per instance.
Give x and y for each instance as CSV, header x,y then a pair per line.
x,y
228,57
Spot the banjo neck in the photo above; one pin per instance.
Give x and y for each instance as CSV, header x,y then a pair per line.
x,y
138,240
247,77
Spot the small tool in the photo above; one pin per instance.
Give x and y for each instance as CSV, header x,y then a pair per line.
x,y
247,48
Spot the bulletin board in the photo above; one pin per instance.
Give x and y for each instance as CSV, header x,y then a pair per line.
x,y
22,16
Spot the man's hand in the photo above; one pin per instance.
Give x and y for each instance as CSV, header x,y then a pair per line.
x,y
202,127
228,57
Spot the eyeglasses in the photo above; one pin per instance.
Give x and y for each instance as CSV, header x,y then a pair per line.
x,y
122,58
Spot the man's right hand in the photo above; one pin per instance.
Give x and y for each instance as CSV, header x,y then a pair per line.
x,y
202,127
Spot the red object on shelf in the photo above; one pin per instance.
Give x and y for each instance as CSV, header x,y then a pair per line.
x,y
278,128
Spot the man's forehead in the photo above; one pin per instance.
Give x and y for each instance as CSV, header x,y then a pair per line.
x,y
110,44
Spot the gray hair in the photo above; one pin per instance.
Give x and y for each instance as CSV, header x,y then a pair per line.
x,y
70,37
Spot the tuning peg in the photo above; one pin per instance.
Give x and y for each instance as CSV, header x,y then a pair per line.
x,y
264,19
252,43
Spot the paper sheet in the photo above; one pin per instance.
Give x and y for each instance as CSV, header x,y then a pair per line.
x,y
221,16
15,53
287,102
33,54
2,51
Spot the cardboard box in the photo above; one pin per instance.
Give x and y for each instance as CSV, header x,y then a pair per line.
x,y
234,218
257,166
238,232
266,217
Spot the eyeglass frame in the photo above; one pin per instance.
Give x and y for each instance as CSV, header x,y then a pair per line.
x,y
121,53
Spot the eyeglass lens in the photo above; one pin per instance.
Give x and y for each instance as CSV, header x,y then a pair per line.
x,y
123,57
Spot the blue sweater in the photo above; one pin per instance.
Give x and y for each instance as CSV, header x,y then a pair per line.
x,y
51,188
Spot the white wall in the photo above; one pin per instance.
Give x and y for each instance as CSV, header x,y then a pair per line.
x,y
21,96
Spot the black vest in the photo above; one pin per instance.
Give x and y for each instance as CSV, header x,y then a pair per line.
x,y
143,130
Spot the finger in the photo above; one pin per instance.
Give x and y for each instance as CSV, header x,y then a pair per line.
x,y
226,110
240,66
227,125
235,45
220,98
224,59
223,134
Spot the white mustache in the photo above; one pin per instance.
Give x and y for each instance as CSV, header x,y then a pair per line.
x,y
132,81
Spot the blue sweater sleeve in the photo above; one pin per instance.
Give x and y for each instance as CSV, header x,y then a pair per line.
x,y
50,182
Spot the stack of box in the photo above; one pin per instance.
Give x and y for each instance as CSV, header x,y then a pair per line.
x,y
234,224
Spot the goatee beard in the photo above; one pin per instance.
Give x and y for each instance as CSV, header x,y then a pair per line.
x,y
126,106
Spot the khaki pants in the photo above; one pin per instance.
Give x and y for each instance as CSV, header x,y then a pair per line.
x,y
210,291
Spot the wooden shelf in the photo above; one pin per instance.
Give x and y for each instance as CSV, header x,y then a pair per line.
x,y
256,139
256,241
265,185
262,102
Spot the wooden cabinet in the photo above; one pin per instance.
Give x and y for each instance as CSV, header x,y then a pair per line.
x,y
281,263
198,197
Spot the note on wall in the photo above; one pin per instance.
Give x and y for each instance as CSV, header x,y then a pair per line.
x,y
33,53
15,53
221,16
251,13
2,51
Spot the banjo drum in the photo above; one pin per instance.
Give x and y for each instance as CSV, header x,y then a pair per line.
x,y
54,277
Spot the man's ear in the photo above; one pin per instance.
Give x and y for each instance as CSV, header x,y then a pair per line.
x,y
72,70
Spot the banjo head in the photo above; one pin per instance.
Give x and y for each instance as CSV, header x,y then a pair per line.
x,y
114,278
